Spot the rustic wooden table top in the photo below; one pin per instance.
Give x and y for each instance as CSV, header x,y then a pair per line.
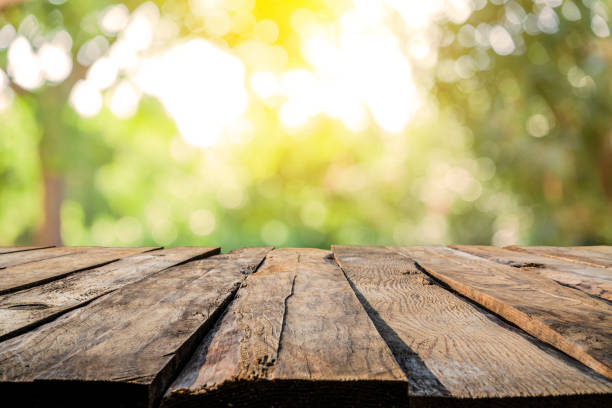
x,y
354,326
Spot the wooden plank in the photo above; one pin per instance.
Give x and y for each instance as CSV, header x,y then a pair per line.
x,y
569,320
10,249
25,276
24,310
123,349
596,256
450,348
19,258
295,335
594,281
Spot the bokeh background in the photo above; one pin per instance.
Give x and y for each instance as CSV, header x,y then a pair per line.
x,y
305,123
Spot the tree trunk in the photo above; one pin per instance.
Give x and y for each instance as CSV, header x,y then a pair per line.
x,y
49,233
54,160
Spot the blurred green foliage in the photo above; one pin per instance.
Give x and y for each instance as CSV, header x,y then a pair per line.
x,y
562,79
505,149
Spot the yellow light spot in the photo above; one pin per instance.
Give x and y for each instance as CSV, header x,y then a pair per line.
x,y
266,31
202,222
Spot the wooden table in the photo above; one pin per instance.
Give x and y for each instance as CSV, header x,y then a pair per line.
x,y
354,326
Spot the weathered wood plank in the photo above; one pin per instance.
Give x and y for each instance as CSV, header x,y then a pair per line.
x,y
295,335
10,249
19,258
450,348
25,276
594,281
32,307
596,256
569,320
123,349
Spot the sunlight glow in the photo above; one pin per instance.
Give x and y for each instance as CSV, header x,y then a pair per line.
x,y
217,23
30,69
501,40
124,57
63,40
600,27
139,32
124,99
91,50
358,64
304,100
261,56
102,73
24,65
458,11
86,98
548,21
570,11
538,125
201,87
55,62
265,84
202,222
358,69
416,14
7,34
266,31
114,19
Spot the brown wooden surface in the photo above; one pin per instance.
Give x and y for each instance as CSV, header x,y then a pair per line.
x,y
28,308
22,257
125,346
24,276
597,256
569,320
594,281
362,326
296,324
8,249
449,347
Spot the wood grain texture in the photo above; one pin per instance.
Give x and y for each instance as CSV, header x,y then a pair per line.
x,y
9,249
594,281
450,348
296,335
126,347
19,258
596,256
569,320
32,307
25,276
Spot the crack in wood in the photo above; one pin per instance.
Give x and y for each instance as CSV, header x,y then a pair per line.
x,y
284,319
